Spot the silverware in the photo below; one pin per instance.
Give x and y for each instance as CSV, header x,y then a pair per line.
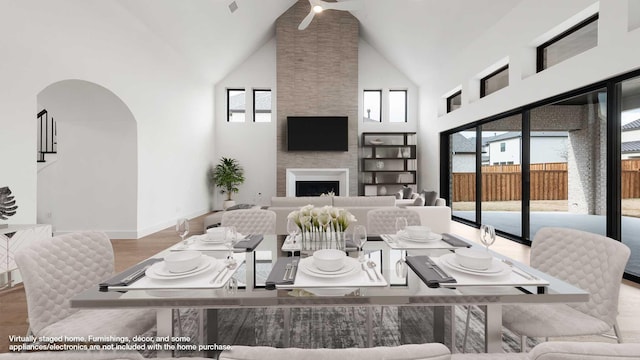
x,y
135,275
294,264
519,271
286,272
372,266
365,270
218,274
432,265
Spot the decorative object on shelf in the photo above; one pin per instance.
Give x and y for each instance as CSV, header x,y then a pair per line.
x,y
227,175
382,190
399,152
376,141
379,164
8,205
406,152
322,228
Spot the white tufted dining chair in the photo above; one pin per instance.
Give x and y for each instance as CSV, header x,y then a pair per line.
x,y
55,269
383,220
251,221
592,262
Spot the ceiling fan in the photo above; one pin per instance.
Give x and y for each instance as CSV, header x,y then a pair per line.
x,y
317,6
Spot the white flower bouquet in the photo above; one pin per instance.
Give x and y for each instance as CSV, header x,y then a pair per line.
x,y
322,228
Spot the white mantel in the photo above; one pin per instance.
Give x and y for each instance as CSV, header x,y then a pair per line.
x,y
333,174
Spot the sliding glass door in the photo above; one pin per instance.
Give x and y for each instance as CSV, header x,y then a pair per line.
x,y
629,106
462,174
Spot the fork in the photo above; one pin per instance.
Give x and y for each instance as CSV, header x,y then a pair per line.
x,y
518,271
365,270
287,269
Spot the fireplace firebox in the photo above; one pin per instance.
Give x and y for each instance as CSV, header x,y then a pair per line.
x,y
317,188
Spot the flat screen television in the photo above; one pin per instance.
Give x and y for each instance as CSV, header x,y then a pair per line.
x,y
317,133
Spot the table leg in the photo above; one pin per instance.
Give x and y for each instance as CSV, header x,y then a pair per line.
x,y
250,263
286,312
438,324
212,331
164,324
369,327
493,328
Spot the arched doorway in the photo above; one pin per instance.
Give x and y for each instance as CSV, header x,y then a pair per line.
x,y
92,182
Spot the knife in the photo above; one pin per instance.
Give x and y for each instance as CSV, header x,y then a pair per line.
x,y
294,264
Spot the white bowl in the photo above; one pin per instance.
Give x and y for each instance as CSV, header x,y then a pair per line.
x,y
182,261
329,259
216,233
418,232
474,258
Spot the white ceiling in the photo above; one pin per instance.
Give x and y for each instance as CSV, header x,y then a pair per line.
x,y
417,36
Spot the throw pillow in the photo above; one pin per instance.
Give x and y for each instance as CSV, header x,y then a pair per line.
x,y
419,201
399,195
429,197
406,192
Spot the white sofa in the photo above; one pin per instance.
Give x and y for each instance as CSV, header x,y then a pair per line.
x,y
433,351
438,218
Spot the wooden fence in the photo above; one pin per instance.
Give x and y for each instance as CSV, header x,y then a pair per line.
x,y
549,181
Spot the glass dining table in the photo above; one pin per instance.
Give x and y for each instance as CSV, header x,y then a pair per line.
x,y
517,284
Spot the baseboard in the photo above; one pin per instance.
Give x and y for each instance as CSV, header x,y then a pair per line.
x,y
168,223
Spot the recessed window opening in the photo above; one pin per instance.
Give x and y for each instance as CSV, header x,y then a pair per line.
x,y
571,42
236,105
495,81
454,101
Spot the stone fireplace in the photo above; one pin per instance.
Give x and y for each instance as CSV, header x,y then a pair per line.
x,y
317,75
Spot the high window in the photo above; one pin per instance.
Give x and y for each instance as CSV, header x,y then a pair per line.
x,y
454,101
397,105
372,101
573,41
494,81
261,105
236,105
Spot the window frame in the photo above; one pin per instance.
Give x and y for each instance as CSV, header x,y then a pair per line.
x,y
245,103
254,105
406,108
450,99
364,110
483,81
540,49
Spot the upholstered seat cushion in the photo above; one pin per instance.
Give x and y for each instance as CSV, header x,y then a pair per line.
x,y
121,322
542,320
404,352
564,350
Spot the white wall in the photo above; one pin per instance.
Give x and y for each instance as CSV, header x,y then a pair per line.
x,y
93,183
376,73
516,36
252,144
98,41
549,149
633,135
511,151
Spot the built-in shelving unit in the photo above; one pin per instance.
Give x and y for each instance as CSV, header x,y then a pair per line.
x,y
388,162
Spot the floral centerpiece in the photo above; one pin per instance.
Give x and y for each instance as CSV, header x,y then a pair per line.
x,y
322,228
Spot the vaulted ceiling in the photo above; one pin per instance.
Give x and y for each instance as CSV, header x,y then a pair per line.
x,y
417,36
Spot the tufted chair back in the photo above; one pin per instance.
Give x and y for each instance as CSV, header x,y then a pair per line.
x,y
592,262
252,221
383,220
55,269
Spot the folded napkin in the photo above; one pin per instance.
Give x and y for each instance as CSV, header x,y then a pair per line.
x,y
455,240
129,276
250,242
276,276
428,271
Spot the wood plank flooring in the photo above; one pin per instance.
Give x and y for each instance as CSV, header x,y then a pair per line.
x,y
13,307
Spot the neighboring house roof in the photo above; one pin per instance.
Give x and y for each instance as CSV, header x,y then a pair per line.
x,y
463,145
634,125
518,134
630,147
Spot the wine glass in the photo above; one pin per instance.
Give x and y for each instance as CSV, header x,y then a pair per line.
x,y
487,235
292,229
401,224
359,238
182,228
230,239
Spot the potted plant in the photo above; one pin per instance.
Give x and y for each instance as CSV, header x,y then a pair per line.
x,y
227,175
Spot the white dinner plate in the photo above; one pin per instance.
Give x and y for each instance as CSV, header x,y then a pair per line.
x,y
431,238
350,267
497,268
158,270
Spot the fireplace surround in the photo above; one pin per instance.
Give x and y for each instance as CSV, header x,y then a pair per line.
x,y
321,177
